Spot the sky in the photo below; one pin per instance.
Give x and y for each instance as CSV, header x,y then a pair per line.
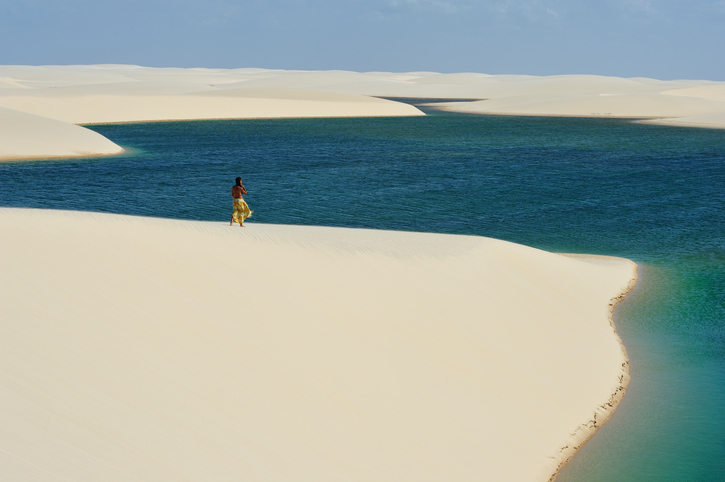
x,y
663,39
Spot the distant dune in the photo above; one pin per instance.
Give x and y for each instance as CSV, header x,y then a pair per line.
x,y
126,93
150,349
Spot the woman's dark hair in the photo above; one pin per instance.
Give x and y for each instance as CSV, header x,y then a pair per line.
x,y
238,181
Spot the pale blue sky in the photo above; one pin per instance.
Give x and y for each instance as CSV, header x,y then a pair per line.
x,y
666,39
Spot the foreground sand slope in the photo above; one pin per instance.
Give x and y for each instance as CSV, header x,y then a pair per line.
x,y
149,349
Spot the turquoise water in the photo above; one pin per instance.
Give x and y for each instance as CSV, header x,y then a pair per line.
x,y
649,193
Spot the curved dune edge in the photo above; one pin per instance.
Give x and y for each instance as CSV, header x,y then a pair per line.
x,y
149,348
604,412
26,136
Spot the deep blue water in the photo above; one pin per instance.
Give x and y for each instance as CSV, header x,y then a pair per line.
x,y
649,193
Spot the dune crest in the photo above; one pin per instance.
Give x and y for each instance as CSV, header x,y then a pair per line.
x,y
151,349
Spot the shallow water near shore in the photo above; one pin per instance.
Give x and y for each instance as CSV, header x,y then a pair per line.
x,y
652,194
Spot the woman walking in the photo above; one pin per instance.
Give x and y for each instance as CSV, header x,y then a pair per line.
x,y
241,209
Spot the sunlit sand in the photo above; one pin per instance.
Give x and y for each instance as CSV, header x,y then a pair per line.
x,y
150,349
28,136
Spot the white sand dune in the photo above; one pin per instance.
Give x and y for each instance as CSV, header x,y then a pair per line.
x,y
88,94
149,349
711,92
27,136
593,105
110,108
100,94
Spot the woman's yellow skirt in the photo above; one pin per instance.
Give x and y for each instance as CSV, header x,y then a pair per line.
x,y
241,211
